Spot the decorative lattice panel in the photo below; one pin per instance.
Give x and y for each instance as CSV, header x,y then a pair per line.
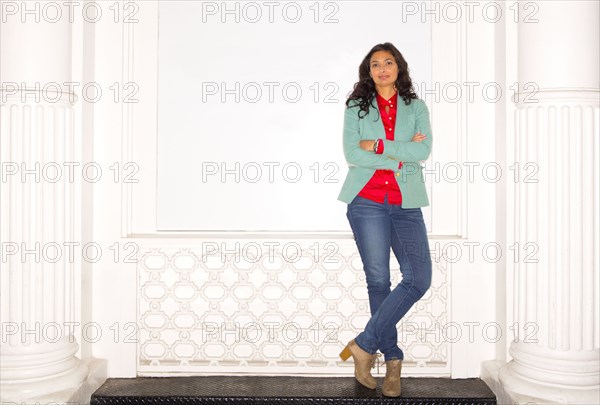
x,y
280,308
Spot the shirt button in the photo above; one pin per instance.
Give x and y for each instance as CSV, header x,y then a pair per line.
x,y
386,182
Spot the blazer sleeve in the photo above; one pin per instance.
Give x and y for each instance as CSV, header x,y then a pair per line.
x,y
355,155
409,151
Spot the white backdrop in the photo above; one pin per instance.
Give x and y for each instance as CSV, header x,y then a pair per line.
x,y
250,108
129,133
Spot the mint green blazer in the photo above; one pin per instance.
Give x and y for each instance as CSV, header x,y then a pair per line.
x,y
362,164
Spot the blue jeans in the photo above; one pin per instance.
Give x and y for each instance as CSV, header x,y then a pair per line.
x,y
377,228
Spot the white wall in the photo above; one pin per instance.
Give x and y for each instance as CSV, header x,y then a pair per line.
x,y
461,218
256,134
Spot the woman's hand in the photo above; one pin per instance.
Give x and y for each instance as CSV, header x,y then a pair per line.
x,y
418,137
367,145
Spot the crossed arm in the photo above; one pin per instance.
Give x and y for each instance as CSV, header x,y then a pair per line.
x,y
360,152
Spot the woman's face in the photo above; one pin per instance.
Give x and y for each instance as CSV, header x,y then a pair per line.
x,y
383,68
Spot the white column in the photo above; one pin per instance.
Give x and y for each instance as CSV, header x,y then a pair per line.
x,y
556,310
37,350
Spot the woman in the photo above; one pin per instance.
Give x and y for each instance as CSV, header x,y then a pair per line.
x,y
386,135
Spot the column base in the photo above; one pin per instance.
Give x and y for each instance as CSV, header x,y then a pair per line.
x,y
96,374
513,389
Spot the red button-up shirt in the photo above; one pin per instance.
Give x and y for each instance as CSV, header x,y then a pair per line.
x,y
383,181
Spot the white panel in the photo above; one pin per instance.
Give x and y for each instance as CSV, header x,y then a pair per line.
x,y
250,113
247,306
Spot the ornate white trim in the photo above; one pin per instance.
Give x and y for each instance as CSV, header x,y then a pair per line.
x,y
247,309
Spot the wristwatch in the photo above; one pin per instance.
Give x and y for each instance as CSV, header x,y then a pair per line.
x,y
376,146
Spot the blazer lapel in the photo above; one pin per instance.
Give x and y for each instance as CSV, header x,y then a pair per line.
x,y
405,121
374,127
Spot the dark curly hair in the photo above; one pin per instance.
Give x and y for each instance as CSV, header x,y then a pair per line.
x,y
364,90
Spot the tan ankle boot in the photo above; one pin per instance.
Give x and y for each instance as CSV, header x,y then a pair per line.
x,y
391,383
363,362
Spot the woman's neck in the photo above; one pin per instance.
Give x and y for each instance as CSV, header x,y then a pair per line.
x,y
385,92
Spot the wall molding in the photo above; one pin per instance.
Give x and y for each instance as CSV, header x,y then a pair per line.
x,y
140,66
